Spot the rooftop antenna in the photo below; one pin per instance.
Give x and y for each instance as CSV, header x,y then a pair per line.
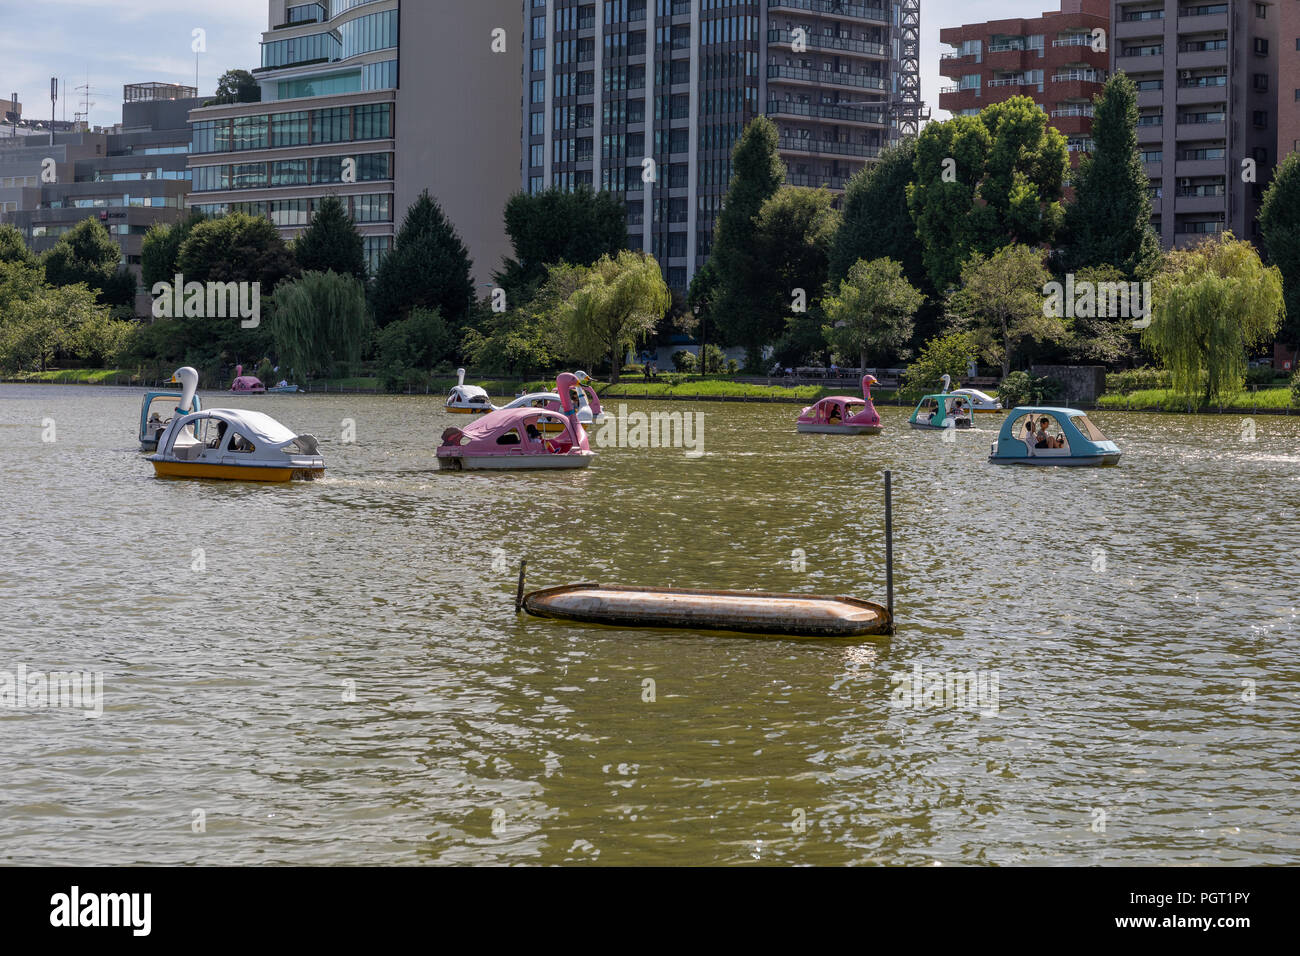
x,y
54,98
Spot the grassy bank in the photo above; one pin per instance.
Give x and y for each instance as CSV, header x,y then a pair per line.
x,y
720,390
1166,400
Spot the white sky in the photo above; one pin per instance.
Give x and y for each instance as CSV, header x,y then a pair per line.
x,y
109,43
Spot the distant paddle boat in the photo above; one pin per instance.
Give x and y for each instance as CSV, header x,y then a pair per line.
x,y
516,438
468,399
979,401
246,384
940,411
1081,442
842,414
157,409
284,388
235,444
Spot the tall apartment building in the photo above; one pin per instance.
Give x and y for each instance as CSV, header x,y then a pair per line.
x,y
373,101
1288,80
1207,79
128,177
1049,58
613,86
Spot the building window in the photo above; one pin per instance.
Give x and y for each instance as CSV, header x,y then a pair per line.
x,y
1261,46
332,125
1261,82
1261,11
1260,118
289,129
373,121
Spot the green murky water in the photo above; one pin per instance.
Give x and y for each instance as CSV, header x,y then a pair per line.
x,y
1134,633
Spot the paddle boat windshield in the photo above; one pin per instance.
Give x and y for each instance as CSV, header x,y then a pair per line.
x,y
979,401
157,409
468,399
842,414
236,444
518,438
936,412
1034,435
246,384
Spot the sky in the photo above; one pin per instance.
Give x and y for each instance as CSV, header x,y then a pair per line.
x,y
108,43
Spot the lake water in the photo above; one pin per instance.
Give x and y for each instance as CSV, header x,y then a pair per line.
x,y
1133,632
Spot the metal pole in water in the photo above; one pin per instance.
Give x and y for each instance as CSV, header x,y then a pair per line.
x,y
519,594
889,547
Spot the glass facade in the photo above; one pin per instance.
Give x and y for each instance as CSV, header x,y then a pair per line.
x,y
370,167
340,124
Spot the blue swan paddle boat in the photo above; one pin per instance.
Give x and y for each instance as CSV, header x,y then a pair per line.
x,y
1081,442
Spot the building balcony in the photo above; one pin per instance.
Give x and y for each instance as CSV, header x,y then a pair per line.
x,y
1077,40
1200,59
874,51
1137,29
1149,133
1073,124
816,182
1075,84
1217,22
954,99
1010,58
1199,204
1140,64
821,147
837,113
794,74
1188,132
1150,98
1202,94
834,8
1199,167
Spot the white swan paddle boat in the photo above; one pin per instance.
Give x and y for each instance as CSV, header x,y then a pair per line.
x,y
468,399
159,408
235,444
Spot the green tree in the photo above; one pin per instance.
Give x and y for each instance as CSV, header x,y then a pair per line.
x,y
162,247
57,320
871,311
877,223
318,321
1001,302
1099,338
741,303
87,253
332,242
1214,303
1109,222
786,267
429,268
410,348
236,248
236,86
1279,224
12,246
527,337
983,181
949,355
619,300
559,225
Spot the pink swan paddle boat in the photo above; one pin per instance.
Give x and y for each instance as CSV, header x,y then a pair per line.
x,y
516,438
842,414
247,384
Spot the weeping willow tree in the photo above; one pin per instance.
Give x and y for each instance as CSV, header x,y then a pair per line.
x,y
620,300
1214,303
319,321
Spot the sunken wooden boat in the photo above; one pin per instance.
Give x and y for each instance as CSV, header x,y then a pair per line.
x,y
743,612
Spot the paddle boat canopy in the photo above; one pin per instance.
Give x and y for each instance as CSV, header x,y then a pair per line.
x,y
979,401
842,414
246,384
517,438
236,444
468,399
1081,442
157,409
945,410
589,410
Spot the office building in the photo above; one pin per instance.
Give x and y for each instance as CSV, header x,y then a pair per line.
x,y
1052,59
647,99
128,177
1207,79
373,101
